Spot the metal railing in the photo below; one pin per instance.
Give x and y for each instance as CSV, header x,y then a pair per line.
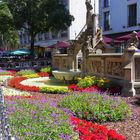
x,y
4,125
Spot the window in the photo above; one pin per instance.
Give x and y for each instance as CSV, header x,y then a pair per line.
x,y
106,3
54,36
132,15
40,37
64,34
106,21
46,36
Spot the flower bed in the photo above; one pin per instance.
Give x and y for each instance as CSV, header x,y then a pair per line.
x,y
7,72
35,119
34,85
15,83
43,74
95,88
90,131
39,118
7,92
4,78
87,130
96,107
92,84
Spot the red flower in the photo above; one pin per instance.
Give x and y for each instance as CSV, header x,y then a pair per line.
x,y
15,82
73,87
89,131
43,74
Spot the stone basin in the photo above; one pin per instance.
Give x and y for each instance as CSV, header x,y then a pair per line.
x,y
66,75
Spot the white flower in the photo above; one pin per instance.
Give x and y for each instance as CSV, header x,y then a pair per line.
x,y
13,92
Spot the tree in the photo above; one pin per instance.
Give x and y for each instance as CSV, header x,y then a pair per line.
x,y
8,34
37,16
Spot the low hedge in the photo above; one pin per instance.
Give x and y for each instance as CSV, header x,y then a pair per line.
x,y
25,72
54,90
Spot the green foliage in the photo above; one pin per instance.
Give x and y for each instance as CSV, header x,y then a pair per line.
x,y
37,16
47,69
92,80
96,107
5,18
54,90
8,34
25,72
103,82
35,119
4,72
87,81
34,75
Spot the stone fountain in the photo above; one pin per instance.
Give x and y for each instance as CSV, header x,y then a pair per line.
x,y
83,42
69,75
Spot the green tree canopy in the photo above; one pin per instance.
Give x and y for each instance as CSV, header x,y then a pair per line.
x,y
8,34
5,18
38,16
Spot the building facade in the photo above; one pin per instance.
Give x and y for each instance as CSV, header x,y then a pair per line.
x,y
119,16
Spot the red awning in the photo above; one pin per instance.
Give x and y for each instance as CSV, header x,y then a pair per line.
x,y
61,44
128,36
110,40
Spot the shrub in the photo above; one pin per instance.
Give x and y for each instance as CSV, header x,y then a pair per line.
x,y
47,69
25,72
87,81
96,107
103,83
54,90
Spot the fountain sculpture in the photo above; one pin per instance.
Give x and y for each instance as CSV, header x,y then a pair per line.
x,y
84,41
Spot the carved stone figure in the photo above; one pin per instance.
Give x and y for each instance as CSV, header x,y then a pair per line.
x,y
99,34
89,14
133,41
71,51
88,46
89,41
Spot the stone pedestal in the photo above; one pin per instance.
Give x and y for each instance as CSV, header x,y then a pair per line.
x,y
128,86
129,72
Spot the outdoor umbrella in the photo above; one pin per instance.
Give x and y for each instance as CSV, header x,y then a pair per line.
x,y
127,37
20,52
